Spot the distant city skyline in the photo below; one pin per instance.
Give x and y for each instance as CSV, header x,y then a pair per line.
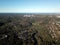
x,y
29,6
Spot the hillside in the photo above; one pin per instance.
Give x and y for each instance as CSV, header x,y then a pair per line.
x,y
29,30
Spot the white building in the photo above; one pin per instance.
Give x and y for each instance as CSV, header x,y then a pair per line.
x,y
28,16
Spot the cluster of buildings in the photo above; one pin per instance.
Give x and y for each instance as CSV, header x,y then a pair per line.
x,y
28,16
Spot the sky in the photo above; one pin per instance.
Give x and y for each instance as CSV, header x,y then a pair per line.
x,y
29,6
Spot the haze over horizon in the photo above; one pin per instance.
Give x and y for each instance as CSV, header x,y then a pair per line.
x,y
29,6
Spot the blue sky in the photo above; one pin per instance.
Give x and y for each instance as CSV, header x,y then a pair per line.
x,y
22,6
